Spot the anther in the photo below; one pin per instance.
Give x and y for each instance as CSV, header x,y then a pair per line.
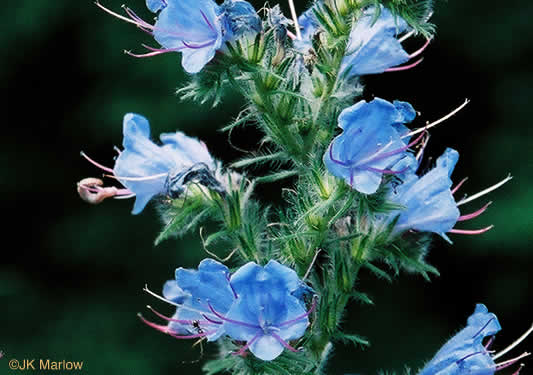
x,y
514,344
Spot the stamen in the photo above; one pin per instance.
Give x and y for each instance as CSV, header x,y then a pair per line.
x,y
405,67
243,349
295,20
408,35
290,322
438,121
165,329
284,343
486,191
129,20
419,51
291,35
519,369
379,156
491,340
459,185
231,320
145,289
474,214
465,231
311,265
107,169
423,148
141,23
147,178
164,317
510,362
150,54
514,344
117,150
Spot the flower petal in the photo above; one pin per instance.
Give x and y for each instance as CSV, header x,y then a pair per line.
x,y
266,348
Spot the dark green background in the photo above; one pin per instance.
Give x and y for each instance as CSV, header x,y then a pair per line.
x,y
71,274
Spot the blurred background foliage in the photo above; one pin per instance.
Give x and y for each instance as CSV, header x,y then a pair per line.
x,y
71,274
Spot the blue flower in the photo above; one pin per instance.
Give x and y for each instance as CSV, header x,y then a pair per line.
x,y
241,17
193,291
428,202
464,353
147,169
269,310
196,28
373,46
192,27
370,143
263,306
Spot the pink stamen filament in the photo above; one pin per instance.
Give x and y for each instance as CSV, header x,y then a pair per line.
x,y
466,231
300,317
129,20
514,344
405,67
231,320
153,53
502,365
164,317
243,349
519,369
142,23
395,152
107,169
284,343
377,157
291,35
165,329
474,214
491,340
419,51
459,185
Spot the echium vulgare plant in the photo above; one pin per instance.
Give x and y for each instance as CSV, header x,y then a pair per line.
x,y
356,196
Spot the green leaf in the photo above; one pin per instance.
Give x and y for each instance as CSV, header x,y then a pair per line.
x,y
276,176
